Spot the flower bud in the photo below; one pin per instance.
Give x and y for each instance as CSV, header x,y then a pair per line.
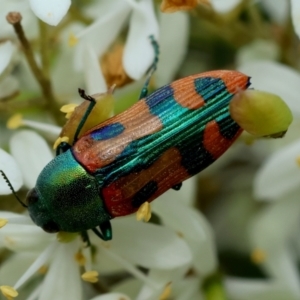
x,y
101,111
261,114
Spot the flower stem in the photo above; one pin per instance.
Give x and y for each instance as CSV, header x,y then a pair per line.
x,y
14,18
44,47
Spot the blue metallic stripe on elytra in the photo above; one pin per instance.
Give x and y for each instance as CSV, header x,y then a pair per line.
x,y
164,104
159,95
107,132
208,87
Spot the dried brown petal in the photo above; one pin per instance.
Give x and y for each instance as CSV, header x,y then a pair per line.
x,y
170,6
113,69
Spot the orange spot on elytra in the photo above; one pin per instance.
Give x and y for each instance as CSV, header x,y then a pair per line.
x,y
214,142
185,93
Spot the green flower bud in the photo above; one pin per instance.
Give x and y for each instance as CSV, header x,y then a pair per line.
x,y
260,113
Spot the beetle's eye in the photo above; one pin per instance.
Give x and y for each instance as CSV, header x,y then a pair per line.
x,y
32,197
51,227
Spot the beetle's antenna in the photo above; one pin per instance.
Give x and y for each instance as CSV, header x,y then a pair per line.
x,y
152,68
83,95
12,189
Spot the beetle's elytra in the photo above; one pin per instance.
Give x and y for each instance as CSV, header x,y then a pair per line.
x,y
135,156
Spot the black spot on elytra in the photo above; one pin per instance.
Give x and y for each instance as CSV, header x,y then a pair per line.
x,y
228,128
144,193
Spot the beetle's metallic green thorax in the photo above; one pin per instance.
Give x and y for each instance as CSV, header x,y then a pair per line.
x,y
68,196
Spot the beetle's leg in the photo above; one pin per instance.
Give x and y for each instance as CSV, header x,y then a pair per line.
x,y
177,187
86,114
85,238
105,232
152,69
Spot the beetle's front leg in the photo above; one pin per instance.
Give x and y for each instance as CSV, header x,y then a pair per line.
x,y
105,232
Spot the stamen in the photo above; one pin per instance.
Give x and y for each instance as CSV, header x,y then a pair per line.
x,y
15,121
166,292
258,256
8,292
144,212
73,40
43,270
68,109
3,222
298,160
80,259
60,140
90,276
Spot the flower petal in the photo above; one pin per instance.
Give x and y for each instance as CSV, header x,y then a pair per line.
x,y
63,279
138,51
8,86
154,246
270,233
29,21
222,6
110,19
20,237
94,78
246,289
277,79
258,49
295,9
6,52
279,11
195,230
18,261
173,45
280,174
32,153
12,171
50,11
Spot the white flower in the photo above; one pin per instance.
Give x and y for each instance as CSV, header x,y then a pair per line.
x,y
29,21
142,244
138,52
8,83
146,245
12,171
50,11
295,10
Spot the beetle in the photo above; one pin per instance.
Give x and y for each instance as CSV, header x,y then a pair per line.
x,y
137,155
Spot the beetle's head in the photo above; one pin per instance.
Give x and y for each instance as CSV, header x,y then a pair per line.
x,y
39,212
66,197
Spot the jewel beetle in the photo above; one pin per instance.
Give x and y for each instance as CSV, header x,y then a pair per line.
x,y
137,155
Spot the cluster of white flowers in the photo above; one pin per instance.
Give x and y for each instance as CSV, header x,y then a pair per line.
x,y
180,254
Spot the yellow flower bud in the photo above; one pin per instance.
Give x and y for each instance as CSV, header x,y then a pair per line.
x,y
101,111
261,114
